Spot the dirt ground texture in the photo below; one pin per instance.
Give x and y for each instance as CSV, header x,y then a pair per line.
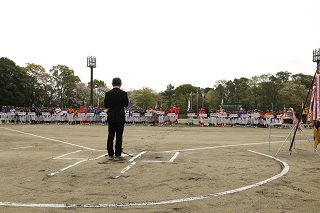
x,y
62,168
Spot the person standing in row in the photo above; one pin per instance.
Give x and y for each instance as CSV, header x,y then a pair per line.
x,y
115,102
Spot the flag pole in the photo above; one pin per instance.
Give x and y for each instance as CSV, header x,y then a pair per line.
x,y
316,58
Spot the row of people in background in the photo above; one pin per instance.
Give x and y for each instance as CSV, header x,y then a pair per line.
x,y
150,117
253,118
49,115
84,115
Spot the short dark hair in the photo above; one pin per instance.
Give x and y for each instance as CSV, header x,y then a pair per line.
x,y
116,82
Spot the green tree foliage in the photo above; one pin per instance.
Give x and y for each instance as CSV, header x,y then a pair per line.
x,y
22,86
212,99
64,83
182,95
220,89
293,94
97,83
168,96
146,97
15,84
302,79
37,76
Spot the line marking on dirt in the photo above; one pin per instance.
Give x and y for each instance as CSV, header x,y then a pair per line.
x,y
98,157
160,161
60,157
174,157
135,157
65,168
23,147
126,169
50,139
222,146
285,169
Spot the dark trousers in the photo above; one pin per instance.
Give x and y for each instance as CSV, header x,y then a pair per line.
x,y
115,129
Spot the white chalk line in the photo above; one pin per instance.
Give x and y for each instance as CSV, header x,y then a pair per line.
x,y
50,139
61,157
174,157
67,154
285,169
135,157
160,161
65,168
72,165
222,146
124,170
22,147
145,161
131,165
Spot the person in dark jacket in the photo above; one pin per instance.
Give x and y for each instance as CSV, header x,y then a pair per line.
x,y
115,102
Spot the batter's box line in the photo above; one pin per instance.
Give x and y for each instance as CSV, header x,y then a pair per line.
x,y
154,161
133,162
82,160
159,161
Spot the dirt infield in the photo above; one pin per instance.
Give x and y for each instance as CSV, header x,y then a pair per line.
x,y
61,168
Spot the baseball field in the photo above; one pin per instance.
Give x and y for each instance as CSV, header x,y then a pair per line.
x,y
63,168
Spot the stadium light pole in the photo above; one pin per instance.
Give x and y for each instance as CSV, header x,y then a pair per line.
x,y
191,101
91,62
316,58
202,99
197,101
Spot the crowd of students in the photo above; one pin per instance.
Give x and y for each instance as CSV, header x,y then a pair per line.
x,y
151,117
84,115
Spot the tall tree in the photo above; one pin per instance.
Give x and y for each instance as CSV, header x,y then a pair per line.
x,y
182,95
146,98
212,99
293,94
65,83
168,96
15,86
303,79
220,87
35,73
46,95
81,95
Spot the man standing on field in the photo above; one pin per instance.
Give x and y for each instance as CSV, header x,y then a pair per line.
x,y
115,102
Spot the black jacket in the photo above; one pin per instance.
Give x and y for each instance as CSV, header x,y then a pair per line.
x,y
115,101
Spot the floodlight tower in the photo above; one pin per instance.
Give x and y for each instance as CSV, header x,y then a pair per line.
x,y
91,62
316,57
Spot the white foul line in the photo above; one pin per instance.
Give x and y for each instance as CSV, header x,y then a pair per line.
x,y
61,156
50,139
222,146
23,147
285,169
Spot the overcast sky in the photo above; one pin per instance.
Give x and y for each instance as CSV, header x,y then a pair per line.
x,y
154,43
